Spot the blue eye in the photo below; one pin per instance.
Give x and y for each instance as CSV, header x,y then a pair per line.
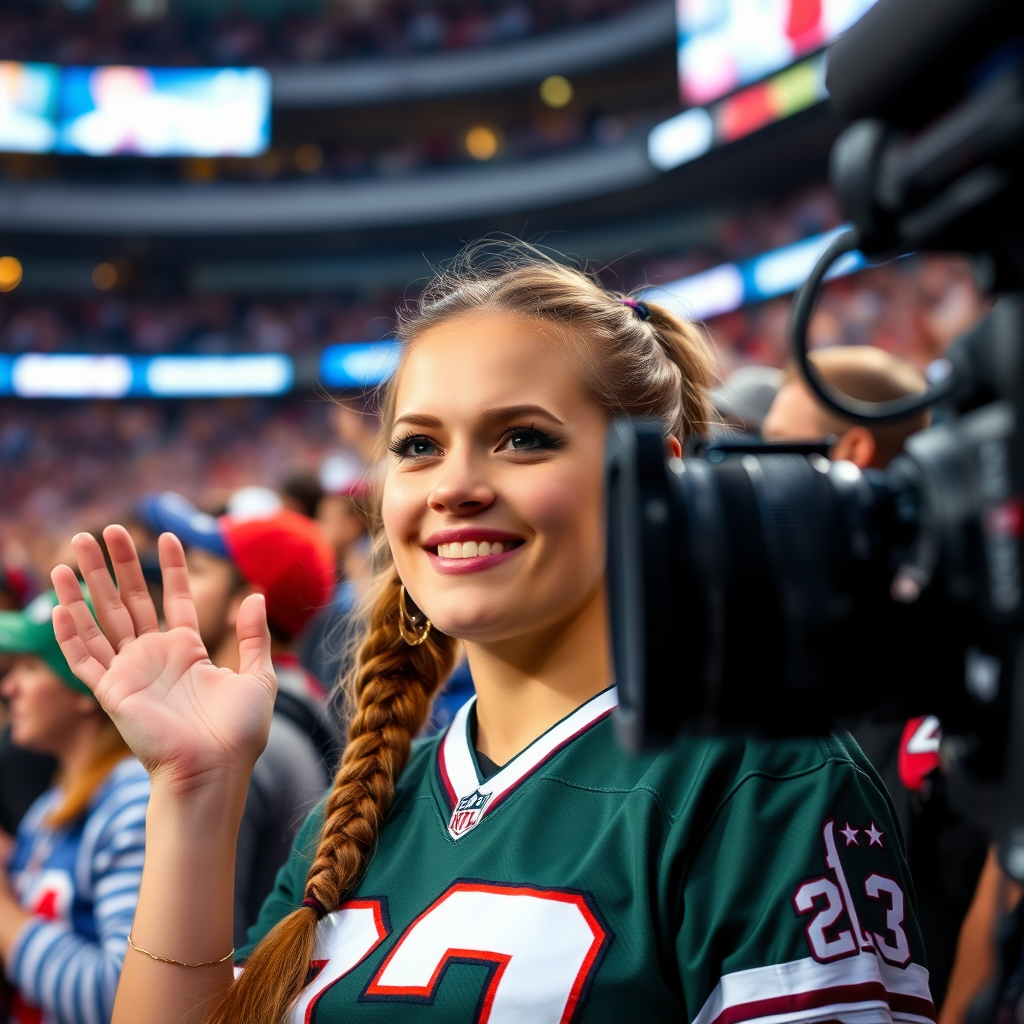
x,y
414,447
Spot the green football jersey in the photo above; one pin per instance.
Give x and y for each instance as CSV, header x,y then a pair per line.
x,y
718,882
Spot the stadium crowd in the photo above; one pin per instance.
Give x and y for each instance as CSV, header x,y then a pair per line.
x,y
78,466
185,33
253,484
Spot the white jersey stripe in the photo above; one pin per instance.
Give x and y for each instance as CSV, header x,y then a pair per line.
x,y
807,990
458,768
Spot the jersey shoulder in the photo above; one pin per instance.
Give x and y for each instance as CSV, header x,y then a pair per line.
x,y
705,773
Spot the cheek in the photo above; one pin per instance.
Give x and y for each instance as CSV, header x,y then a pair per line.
x,y
565,507
44,700
402,508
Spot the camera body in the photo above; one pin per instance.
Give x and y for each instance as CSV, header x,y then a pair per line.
x,y
777,593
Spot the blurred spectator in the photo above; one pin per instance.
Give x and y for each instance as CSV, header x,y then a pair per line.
x,y
278,32
302,492
342,514
977,953
285,557
945,852
68,895
746,396
858,371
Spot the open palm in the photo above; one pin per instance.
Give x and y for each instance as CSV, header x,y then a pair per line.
x,y
183,717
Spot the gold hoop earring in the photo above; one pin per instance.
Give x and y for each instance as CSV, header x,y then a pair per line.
x,y
408,634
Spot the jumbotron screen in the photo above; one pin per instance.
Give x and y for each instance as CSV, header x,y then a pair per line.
x,y
725,44
134,111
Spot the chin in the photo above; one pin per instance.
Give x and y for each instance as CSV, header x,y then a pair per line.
x,y
26,739
478,626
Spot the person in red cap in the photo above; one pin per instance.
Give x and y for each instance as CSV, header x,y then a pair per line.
x,y
285,557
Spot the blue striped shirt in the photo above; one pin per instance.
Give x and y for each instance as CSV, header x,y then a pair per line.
x,y
81,884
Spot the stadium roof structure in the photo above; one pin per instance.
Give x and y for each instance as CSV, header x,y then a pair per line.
x,y
387,80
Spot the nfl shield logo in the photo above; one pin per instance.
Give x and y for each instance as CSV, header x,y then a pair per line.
x,y
467,814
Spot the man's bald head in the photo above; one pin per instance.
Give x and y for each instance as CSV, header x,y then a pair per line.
x,y
859,371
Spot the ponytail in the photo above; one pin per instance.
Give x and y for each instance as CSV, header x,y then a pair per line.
x,y
391,689
687,348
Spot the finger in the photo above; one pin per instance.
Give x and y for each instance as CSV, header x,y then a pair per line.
x,y
113,617
254,640
179,608
131,584
80,661
69,593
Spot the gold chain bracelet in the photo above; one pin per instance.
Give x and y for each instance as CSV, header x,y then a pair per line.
x,y
177,963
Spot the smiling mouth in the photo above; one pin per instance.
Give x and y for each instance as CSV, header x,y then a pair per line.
x,y
474,549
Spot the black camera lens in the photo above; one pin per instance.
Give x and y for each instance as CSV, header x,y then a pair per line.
x,y
745,587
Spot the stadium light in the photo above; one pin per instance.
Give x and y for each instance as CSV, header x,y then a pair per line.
x,y
220,376
10,273
38,375
360,365
729,286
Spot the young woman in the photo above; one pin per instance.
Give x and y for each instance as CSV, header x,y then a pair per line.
x,y
69,891
520,867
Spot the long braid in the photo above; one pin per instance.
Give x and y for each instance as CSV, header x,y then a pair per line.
x,y
394,685
392,688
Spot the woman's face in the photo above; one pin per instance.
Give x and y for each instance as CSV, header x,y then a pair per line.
x,y
45,714
493,494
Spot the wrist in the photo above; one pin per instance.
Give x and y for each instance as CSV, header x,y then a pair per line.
x,y
208,814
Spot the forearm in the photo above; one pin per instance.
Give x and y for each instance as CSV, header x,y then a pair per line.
x,y
185,908
12,920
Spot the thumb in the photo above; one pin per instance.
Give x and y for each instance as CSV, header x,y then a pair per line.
x,y
254,640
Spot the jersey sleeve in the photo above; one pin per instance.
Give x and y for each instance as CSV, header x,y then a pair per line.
x,y
289,885
797,905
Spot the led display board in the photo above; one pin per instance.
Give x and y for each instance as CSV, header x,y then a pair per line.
x,y
725,44
28,106
134,111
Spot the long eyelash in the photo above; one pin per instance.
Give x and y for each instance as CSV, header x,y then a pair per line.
x,y
397,447
549,441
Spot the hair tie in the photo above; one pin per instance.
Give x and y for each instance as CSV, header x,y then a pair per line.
x,y
315,904
641,309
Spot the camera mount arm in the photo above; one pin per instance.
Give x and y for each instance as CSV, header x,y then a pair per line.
x,y
845,406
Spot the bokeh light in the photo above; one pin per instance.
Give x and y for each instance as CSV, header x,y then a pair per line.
x,y
481,142
10,273
309,158
556,91
104,276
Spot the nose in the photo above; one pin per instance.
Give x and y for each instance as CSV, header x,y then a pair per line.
x,y
462,488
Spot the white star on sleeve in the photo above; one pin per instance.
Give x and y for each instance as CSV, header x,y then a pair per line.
x,y
851,835
874,835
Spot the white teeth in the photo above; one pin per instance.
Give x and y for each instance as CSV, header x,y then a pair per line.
x,y
470,549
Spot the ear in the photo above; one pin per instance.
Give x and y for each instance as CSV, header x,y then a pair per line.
x,y
674,448
858,446
236,603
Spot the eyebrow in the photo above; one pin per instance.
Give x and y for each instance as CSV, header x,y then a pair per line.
x,y
509,412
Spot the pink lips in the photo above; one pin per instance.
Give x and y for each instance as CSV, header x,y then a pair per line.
x,y
461,566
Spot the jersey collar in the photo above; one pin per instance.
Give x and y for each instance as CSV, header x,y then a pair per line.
x,y
470,800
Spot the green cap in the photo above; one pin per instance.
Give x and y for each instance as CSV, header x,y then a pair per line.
x,y
30,631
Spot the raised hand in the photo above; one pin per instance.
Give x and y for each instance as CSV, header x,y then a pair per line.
x,y
185,719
